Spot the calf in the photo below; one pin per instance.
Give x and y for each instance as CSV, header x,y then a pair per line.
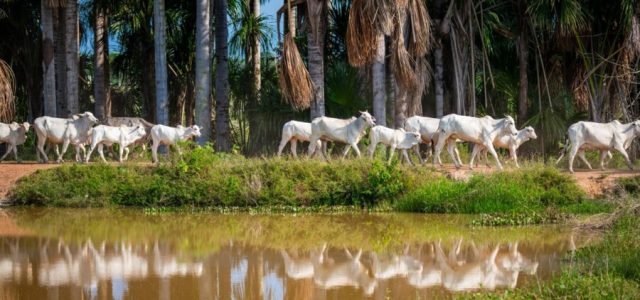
x,y
481,131
161,134
395,138
294,132
13,134
108,135
511,142
132,122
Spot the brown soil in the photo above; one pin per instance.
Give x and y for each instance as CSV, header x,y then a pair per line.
x,y
11,172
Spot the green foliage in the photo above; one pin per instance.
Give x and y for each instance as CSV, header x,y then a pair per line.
x,y
203,178
511,191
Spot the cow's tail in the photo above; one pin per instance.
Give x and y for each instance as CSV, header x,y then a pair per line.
x,y
565,148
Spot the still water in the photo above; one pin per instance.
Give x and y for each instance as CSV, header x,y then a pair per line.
x,y
130,254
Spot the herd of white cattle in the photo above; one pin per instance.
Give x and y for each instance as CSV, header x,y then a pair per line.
x,y
80,130
485,134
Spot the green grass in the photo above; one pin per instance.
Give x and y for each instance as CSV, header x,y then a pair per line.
x,y
531,189
202,178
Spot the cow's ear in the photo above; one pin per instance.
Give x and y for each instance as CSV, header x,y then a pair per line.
x,y
75,117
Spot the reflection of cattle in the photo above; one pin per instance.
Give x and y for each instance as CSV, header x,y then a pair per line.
x,y
297,267
350,273
165,266
394,266
489,270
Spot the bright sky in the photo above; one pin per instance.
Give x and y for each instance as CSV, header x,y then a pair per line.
x,y
268,9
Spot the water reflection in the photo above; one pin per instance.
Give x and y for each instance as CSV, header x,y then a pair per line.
x,y
38,267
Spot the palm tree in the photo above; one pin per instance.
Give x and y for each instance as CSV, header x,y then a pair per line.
x,y
203,70
49,76
256,54
223,135
160,46
317,14
523,58
101,85
379,84
71,56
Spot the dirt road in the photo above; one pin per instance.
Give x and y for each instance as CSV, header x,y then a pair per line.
x,y
11,172
594,182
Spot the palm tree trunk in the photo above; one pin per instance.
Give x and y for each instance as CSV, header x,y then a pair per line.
x,y
59,54
160,46
291,19
49,70
223,135
438,79
400,106
71,56
203,70
315,44
256,55
379,88
523,56
100,82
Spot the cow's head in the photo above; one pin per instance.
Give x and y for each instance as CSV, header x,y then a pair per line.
x,y
636,127
509,125
368,118
412,138
518,262
88,116
25,126
529,133
195,130
139,131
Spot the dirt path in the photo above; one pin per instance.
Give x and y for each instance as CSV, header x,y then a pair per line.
x,y
11,172
594,182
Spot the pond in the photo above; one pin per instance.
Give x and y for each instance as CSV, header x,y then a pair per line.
x,y
136,254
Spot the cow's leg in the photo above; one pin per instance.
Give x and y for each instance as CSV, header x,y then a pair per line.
x,y
120,153
101,152
294,148
620,148
154,152
442,139
372,148
65,145
416,150
489,145
9,148
283,143
346,150
88,156
474,153
584,159
572,155
603,156
405,154
391,151
313,145
514,156
452,153
40,149
355,148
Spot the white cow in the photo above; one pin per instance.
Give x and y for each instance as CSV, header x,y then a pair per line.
x,y
394,266
13,134
75,131
600,136
427,127
109,135
161,134
511,142
348,131
394,138
481,131
294,132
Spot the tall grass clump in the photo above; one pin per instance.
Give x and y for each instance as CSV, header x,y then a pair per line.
x,y
527,190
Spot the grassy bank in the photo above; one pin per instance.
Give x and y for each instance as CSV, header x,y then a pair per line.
x,y
204,179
